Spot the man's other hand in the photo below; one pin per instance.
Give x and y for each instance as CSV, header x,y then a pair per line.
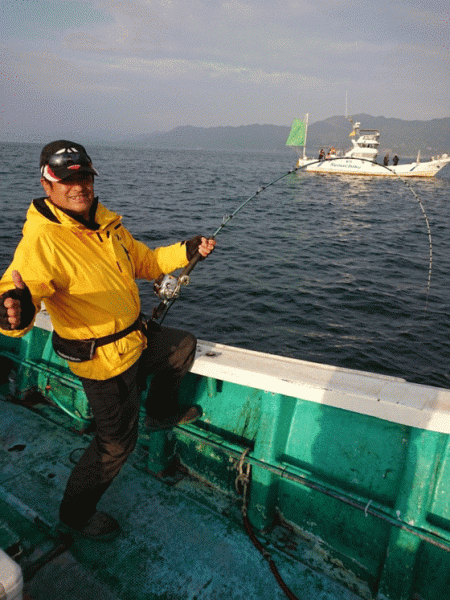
x,y
16,306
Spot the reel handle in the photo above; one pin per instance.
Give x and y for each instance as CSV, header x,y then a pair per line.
x,y
159,312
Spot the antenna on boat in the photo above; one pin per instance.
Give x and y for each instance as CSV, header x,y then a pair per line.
x,y
346,109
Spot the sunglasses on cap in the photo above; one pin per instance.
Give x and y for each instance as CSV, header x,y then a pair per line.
x,y
69,159
65,163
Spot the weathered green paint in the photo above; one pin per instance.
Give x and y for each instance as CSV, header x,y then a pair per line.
x,y
370,496
178,541
161,449
391,468
415,496
439,512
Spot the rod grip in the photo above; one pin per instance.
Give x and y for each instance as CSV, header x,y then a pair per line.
x,y
194,260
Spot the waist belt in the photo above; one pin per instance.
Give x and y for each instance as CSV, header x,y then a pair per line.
x,y
83,350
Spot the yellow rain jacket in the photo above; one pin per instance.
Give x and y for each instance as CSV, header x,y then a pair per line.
x,y
86,280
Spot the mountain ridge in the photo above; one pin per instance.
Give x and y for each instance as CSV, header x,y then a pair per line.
x,y
396,135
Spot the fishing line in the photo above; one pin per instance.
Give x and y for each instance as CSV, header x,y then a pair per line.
x,y
168,289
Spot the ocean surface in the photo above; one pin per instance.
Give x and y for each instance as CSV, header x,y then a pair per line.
x,y
321,268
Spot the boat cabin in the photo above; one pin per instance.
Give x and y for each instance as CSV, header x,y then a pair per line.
x,y
366,144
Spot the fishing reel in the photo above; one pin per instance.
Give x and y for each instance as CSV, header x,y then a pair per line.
x,y
167,287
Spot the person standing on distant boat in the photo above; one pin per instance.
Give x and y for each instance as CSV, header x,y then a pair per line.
x,y
395,160
386,160
321,154
78,258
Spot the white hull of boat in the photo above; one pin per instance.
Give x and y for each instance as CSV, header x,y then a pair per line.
x,y
353,166
361,159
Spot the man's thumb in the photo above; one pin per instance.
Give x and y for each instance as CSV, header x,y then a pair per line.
x,y
18,281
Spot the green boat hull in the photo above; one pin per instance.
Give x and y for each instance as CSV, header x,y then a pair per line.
x,y
350,471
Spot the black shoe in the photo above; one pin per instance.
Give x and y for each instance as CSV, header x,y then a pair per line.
x,y
182,417
100,526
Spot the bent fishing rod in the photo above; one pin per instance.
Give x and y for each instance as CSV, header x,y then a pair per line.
x,y
167,287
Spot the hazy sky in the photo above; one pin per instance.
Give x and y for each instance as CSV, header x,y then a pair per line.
x,y
115,69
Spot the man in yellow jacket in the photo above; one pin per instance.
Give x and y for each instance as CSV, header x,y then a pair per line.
x,y
77,258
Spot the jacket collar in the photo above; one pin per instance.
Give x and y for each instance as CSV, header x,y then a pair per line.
x,y
98,213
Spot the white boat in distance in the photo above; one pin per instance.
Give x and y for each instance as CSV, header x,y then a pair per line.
x,y
361,159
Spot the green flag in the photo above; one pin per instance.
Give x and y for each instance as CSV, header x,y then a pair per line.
x,y
297,135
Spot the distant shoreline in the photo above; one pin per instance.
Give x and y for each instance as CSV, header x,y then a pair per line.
x,y
310,152
404,138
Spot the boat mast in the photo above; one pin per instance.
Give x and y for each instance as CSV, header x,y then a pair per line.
x,y
306,133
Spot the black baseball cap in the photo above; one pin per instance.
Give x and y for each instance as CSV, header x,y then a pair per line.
x,y
62,158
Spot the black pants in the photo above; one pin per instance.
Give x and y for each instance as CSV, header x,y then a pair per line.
x,y
115,404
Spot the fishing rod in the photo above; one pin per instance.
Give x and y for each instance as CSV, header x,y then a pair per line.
x,y
168,287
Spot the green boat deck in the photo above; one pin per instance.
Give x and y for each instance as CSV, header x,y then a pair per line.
x,y
180,539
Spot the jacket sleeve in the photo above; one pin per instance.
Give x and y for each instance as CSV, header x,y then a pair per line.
x,y
35,261
150,264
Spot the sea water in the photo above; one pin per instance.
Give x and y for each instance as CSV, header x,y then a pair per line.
x,y
331,269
